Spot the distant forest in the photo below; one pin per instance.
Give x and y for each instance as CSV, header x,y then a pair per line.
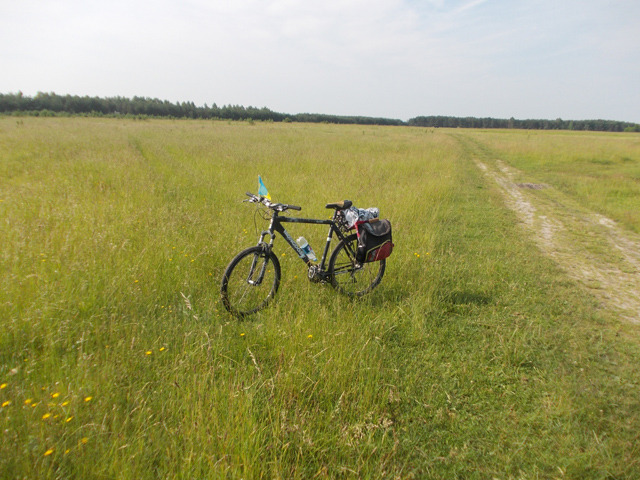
x,y
51,104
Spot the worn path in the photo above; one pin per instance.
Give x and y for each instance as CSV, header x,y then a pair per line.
x,y
589,247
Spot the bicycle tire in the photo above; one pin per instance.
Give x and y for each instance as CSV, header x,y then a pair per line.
x,y
241,297
347,276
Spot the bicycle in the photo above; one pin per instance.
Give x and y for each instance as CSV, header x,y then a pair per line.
x,y
252,278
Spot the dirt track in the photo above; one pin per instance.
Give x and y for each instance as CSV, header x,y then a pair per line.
x,y
589,247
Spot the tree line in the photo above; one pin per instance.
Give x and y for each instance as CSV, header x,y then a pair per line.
x,y
51,104
531,124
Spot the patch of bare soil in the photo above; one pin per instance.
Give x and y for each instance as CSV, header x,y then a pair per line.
x,y
589,247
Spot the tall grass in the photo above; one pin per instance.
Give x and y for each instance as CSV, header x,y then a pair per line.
x,y
475,358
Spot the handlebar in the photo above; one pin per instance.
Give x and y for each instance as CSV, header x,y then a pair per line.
x,y
280,207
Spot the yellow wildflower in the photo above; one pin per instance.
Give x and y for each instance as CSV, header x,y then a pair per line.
x,y
87,399
7,403
48,452
4,385
45,416
55,395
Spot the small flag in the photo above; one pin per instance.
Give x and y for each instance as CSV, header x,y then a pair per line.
x,y
262,191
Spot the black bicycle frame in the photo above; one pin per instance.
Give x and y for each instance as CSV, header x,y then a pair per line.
x,y
276,225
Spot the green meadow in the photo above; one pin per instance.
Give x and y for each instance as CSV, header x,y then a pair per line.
x,y
476,357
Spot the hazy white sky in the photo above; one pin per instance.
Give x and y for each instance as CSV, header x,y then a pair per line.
x,y
574,59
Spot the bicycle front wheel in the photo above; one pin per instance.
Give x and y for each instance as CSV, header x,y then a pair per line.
x,y
250,281
349,277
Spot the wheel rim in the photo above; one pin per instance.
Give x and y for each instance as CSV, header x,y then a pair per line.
x,y
351,279
243,292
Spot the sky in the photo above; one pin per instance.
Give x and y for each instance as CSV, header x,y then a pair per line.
x,y
569,59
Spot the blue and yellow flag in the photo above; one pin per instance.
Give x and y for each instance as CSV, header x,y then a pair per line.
x,y
262,190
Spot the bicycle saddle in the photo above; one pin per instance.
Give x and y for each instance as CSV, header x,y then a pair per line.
x,y
340,205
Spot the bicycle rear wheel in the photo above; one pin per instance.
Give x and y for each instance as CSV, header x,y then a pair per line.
x,y
349,277
250,281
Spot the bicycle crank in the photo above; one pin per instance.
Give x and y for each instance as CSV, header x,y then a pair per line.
x,y
317,275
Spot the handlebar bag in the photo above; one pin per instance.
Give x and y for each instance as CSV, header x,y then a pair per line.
x,y
374,241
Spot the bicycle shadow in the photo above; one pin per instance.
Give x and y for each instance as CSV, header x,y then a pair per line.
x,y
445,301
467,298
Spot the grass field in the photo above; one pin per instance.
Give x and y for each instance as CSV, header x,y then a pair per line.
x,y
477,357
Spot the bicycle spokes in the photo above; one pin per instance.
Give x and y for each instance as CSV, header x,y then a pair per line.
x,y
250,281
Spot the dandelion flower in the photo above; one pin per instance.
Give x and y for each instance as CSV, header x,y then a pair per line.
x,y
55,395
148,352
84,440
66,451
68,419
45,416
65,403
48,452
242,334
28,401
4,385
87,399
6,404
162,349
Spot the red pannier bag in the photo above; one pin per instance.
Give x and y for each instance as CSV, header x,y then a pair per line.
x,y
374,241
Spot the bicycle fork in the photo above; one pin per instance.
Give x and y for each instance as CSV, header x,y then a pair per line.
x,y
266,249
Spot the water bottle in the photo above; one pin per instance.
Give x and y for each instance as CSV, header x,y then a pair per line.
x,y
306,248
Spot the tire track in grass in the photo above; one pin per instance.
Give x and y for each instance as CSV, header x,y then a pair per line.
x,y
589,247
